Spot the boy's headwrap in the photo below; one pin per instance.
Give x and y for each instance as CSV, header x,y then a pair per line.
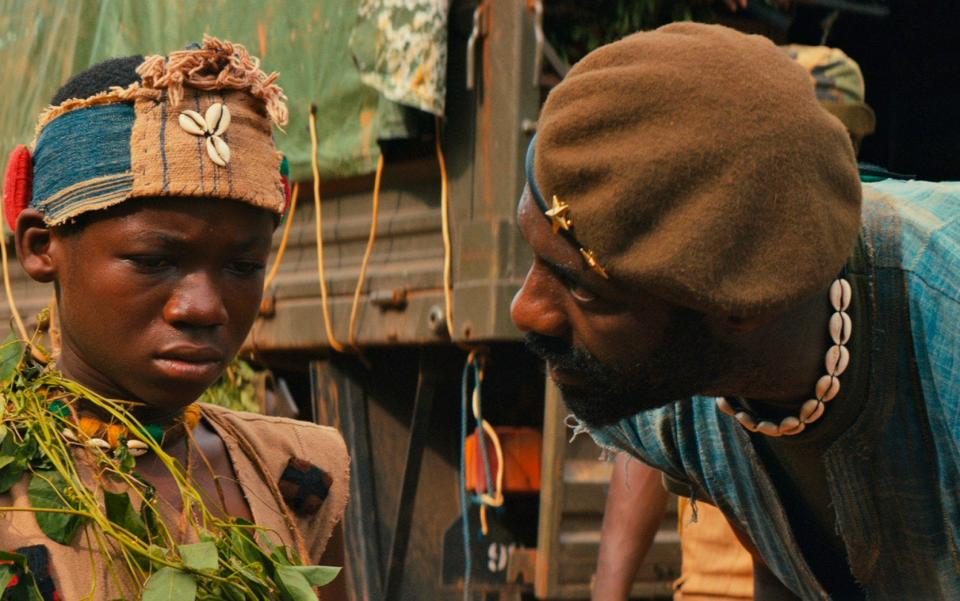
x,y
197,124
694,163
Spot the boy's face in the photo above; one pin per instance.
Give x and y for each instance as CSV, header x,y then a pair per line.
x,y
157,295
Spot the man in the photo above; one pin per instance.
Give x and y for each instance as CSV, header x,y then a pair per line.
x,y
714,565
698,233
149,201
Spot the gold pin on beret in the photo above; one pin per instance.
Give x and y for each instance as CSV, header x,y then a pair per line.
x,y
560,218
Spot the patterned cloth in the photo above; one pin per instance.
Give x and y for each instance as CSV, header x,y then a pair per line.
x,y
400,47
894,474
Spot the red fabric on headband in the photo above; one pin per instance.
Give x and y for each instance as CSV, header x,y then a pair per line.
x,y
18,185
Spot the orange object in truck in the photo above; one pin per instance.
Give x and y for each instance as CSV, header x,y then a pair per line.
x,y
521,454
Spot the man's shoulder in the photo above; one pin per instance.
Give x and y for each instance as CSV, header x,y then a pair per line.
x,y
915,225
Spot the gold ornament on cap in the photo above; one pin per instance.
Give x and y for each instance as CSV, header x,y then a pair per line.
x,y
558,215
594,264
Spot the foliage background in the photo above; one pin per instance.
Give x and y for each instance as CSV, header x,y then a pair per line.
x,y
44,42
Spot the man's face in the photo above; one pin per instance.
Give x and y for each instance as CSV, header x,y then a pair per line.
x,y
157,296
611,352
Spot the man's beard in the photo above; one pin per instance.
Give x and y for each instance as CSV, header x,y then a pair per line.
x,y
688,361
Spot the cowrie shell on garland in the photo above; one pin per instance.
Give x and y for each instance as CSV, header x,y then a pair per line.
x,y
137,447
99,443
836,361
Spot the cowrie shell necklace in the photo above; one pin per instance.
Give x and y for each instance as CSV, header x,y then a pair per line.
x,y
836,361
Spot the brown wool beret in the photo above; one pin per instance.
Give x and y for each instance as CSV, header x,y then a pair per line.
x,y
699,167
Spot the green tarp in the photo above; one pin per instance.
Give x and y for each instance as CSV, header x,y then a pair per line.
x,y
43,42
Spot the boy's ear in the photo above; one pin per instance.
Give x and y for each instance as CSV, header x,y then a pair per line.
x,y
33,242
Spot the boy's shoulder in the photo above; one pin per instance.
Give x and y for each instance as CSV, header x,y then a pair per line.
x,y
282,431
305,463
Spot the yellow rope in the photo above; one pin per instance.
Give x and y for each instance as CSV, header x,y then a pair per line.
x,y
318,220
286,237
354,310
486,499
9,290
447,245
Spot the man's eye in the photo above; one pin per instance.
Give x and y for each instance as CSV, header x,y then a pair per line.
x,y
246,268
581,294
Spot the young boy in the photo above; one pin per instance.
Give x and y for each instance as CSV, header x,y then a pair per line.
x,y
155,193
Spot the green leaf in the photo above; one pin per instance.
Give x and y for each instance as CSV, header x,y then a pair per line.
x,y
11,464
247,548
317,575
170,584
44,492
11,353
17,559
199,556
120,511
295,584
7,572
11,473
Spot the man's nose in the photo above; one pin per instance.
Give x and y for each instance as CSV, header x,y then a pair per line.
x,y
197,301
538,307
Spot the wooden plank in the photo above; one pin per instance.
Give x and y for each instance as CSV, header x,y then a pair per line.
x,y
419,432
546,582
339,396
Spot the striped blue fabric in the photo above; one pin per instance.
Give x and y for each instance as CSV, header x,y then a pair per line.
x,y
82,160
895,474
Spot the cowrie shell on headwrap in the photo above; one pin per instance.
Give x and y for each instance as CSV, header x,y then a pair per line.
x,y
210,126
192,122
218,151
217,118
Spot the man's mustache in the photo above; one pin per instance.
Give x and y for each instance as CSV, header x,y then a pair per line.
x,y
560,354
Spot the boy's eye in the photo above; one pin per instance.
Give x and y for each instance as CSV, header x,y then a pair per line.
x,y
246,267
151,262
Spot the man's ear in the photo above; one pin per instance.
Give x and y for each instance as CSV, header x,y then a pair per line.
x,y
33,242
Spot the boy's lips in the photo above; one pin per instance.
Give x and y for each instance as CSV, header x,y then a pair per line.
x,y
190,353
190,362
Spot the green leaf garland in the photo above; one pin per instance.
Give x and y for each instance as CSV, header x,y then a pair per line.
x,y
234,559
